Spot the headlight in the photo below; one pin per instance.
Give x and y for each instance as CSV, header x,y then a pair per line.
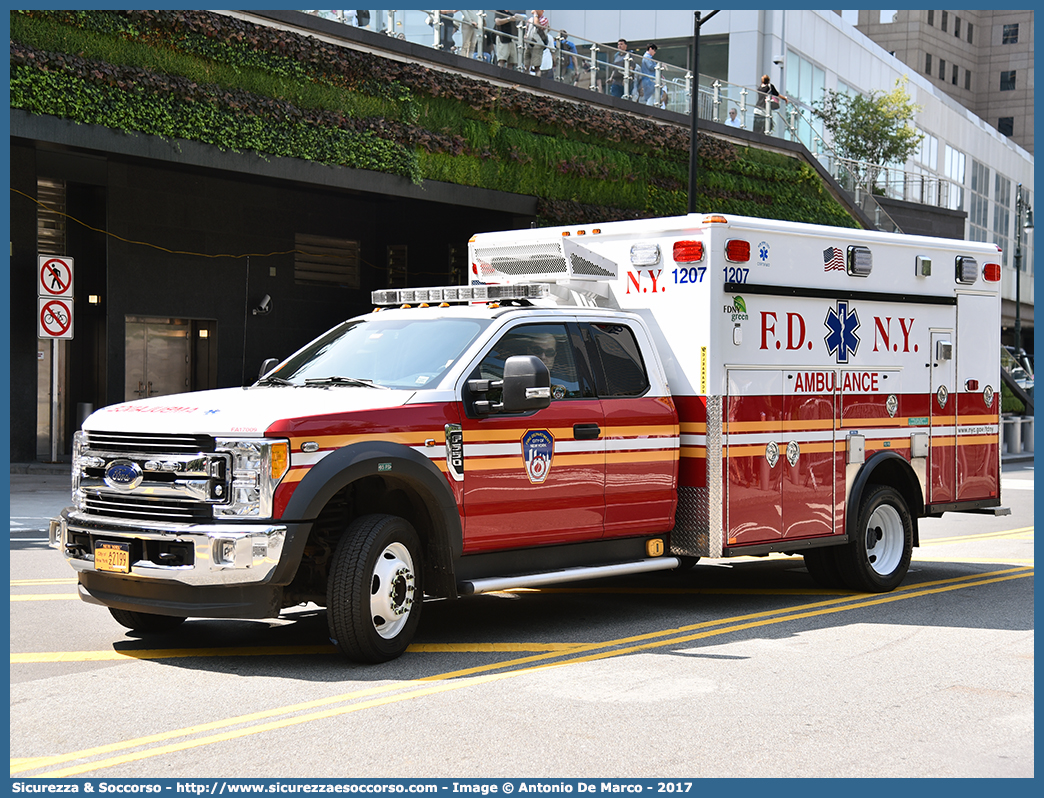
x,y
258,464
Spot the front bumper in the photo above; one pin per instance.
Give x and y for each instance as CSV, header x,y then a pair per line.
x,y
204,555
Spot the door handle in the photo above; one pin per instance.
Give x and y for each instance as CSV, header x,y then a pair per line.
x,y
586,432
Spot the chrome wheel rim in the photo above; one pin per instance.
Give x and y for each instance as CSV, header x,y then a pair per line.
x,y
392,590
884,540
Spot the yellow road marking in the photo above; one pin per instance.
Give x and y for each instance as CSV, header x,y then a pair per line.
x,y
27,582
44,596
634,643
266,651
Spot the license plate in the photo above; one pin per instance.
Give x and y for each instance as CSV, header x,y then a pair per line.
x,y
110,556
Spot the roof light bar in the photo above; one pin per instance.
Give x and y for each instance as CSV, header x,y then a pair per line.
x,y
461,293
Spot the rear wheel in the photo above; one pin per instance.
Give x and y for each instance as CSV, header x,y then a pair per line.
x,y
877,560
374,593
146,621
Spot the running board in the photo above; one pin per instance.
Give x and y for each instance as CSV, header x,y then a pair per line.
x,y
495,583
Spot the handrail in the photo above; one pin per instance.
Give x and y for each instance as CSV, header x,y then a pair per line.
x,y
594,67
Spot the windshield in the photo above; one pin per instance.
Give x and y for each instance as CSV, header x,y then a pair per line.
x,y
383,353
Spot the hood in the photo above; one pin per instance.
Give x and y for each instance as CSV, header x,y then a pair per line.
x,y
237,411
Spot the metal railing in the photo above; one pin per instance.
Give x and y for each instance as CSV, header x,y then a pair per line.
x,y
602,68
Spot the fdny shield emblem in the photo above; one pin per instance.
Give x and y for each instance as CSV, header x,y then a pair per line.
x,y
538,447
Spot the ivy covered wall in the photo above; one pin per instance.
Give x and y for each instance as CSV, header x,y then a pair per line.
x,y
243,87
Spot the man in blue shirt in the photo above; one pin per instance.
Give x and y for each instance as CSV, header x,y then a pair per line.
x,y
649,75
565,47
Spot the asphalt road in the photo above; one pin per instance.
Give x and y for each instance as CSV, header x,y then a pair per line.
x,y
738,668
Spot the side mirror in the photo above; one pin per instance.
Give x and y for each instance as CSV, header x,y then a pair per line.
x,y
527,384
526,387
267,365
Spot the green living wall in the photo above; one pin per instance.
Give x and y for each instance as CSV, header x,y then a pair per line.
x,y
243,87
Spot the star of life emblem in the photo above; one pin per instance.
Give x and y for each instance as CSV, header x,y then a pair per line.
x,y
842,323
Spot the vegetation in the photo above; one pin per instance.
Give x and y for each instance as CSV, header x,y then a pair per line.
x,y
875,129
206,77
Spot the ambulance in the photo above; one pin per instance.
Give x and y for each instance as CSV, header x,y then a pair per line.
x,y
601,400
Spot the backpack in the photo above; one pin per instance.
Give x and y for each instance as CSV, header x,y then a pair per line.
x,y
363,18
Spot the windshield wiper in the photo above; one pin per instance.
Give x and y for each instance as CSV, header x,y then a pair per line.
x,y
344,381
274,380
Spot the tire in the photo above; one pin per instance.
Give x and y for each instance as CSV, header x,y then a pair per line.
x,y
146,621
877,560
823,567
374,593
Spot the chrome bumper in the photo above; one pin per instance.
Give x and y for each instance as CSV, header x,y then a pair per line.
x,y
223,554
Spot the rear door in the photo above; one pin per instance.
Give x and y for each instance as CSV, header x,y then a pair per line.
x,y
943,402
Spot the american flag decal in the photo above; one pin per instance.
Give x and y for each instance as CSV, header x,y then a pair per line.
x,y
833,260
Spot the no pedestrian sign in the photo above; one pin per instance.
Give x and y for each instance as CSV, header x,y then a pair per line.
x,y
56,276
55,318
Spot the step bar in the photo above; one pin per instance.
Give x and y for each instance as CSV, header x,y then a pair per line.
x,y
493,584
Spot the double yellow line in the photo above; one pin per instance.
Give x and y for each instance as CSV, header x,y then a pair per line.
x,y
177,740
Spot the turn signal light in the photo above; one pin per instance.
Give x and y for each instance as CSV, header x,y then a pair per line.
x,y
737,250
991,272
688,251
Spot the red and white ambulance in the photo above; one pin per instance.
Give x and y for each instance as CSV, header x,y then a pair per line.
x,y
602,400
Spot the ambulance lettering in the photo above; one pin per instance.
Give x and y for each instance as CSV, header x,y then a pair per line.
x,y
644,285
825,382
883,331
795,331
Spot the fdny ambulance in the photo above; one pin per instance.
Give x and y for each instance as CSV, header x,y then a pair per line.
x,y
601,400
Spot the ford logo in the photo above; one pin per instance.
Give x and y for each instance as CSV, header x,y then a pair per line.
x,y
123,475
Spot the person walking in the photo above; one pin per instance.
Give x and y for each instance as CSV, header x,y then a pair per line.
x,y
567,52
469,32
649,75
536,41
768,102
616,83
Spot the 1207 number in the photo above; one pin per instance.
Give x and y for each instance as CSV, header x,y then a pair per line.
x,y
694,274
735,274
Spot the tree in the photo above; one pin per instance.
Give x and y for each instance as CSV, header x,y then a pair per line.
x,y
874,130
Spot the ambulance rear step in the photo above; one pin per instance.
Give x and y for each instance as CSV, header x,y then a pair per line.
x,y
495,583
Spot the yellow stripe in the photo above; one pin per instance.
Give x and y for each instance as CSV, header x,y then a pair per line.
x,y
694,451
25,582
978,440
657,456
337,441
694,428
271,651
45,597
875,422
979,420
659,431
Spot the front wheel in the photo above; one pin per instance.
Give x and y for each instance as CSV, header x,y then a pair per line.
x,y
374,593
878,557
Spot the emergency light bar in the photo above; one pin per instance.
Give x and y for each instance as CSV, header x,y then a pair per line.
x,y
461,293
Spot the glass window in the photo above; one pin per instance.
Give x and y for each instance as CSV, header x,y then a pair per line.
x,y
969,33
388,352
1011,34
942,69
1007,81
957,26
618,359
1001,214
931,18
551,343
1006,125
928,64
954,171
945,17
953,75
979,202
967,79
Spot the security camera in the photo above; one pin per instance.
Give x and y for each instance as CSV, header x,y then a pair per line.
x,y
264,306
778,60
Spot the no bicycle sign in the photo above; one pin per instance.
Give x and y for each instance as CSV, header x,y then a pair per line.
x,y
55,318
